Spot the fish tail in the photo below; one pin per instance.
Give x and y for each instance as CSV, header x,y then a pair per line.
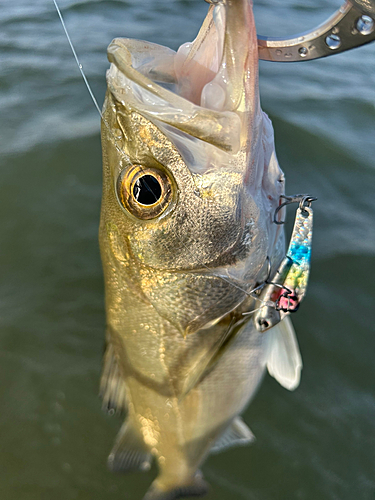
x,y
197,487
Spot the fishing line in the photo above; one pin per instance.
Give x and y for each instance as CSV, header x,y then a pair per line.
x,y
77,60
128,159
88,85
255,310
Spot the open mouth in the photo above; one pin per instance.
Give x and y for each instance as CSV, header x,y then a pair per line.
x,y
207,89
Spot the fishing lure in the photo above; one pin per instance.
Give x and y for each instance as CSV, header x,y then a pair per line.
x,y
284,292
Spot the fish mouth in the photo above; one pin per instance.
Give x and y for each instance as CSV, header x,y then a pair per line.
x,y
207,89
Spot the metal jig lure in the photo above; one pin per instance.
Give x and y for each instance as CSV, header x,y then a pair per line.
x,y
284,292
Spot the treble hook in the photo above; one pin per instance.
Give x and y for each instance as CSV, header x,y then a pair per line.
x,y
304,200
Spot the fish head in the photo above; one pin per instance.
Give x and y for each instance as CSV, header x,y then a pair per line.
x,y
191,179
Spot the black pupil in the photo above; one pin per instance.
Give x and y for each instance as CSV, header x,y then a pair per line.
x,y
147,190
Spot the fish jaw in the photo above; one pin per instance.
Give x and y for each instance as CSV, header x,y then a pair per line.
x,y
213,81
222,61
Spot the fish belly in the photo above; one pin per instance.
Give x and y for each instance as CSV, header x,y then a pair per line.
x,y
180,430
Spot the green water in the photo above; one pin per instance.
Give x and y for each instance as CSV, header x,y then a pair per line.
x,y
315,443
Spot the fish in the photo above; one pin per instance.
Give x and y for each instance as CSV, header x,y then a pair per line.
x,y
191,183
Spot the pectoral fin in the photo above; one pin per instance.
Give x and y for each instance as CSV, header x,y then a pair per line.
x,y
284,359
129,452
237,434
112,385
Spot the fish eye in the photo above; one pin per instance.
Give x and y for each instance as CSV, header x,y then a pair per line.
x,y
145,192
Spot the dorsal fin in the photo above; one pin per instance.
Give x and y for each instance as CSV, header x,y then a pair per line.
x,y
112,385
284,359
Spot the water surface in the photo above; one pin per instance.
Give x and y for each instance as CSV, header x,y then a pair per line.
x,y
315,443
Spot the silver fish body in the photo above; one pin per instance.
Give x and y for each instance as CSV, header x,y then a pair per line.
x,y
190,186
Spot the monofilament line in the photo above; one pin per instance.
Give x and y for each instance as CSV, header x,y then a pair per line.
x,y
77,60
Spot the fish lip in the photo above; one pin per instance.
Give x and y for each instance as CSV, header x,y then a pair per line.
x,y
237,74
221,129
